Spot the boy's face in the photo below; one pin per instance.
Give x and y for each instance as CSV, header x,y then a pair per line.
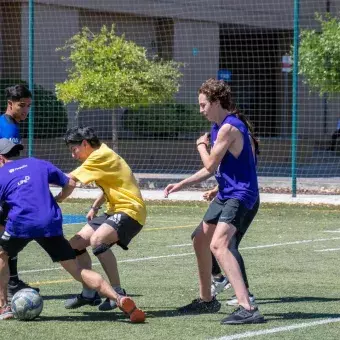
x,y
19,109
80,152
207,109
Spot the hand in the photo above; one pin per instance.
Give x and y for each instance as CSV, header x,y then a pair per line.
x,y
173,187
91,214
209,195
203,139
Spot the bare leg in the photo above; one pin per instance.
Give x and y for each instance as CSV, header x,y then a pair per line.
x,y
4,277
95,281
220,247
203,255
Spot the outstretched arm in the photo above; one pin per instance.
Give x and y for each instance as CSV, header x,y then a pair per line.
x,y
198,177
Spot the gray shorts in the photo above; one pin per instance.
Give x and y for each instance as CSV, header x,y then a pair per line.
x,y
230,211
127,228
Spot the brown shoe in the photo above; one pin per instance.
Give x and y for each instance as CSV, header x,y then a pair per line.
x,y
6,313
127,305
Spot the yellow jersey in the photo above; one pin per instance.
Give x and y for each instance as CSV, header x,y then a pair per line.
x,y
112,174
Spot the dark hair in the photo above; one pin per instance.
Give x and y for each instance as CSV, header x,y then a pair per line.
x,y
219,90
16,92
76,135
15,152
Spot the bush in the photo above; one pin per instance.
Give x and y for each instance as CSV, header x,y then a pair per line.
x,y
50,115
166,121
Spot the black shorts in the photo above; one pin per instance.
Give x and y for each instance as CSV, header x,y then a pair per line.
x,y
127,228
231,211
57,247
4,210
246,221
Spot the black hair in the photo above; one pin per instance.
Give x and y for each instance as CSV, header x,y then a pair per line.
x,y
76,135
16,92
15,152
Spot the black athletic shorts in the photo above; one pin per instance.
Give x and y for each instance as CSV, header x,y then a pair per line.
x,y
4,209
246,221
231,211
57,247
127,228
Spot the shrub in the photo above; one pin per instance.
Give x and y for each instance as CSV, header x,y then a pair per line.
x,y
166,121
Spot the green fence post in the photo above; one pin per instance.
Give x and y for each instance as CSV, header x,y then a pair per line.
x,y
295,93
31,75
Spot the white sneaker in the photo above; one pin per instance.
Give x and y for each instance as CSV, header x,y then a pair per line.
x,y
234,302
218,286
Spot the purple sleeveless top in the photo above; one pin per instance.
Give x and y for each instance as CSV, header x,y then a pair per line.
x,y
236,177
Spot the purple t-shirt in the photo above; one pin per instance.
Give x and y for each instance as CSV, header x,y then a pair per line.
x,y
24,186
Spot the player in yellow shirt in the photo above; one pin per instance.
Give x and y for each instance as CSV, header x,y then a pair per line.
x,y
124,216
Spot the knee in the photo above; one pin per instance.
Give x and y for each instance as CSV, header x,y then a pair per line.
x,y
77,242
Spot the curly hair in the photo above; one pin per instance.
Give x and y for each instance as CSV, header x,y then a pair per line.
x,y
219,90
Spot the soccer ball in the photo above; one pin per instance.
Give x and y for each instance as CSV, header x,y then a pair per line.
x,y
27,304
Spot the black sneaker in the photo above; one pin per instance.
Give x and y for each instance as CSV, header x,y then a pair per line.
x,y
242,316
198,306
80,300
14,287
111,304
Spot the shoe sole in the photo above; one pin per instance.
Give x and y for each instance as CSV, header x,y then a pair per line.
x,y
243,322
128,306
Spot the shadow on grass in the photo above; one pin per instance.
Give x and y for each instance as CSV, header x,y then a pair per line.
x,y
290,299
299,316
68,296
86,316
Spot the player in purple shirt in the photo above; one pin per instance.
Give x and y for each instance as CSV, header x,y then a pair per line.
x,y
19,99
33,214
232,162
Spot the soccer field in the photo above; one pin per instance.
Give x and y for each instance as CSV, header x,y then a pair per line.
x,y
291,254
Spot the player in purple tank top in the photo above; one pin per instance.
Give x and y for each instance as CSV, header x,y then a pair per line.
x,y
232,162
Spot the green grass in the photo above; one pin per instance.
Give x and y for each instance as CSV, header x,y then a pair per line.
x,y
292,283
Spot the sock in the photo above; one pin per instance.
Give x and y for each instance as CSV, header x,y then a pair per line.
x,y
13,270
88,293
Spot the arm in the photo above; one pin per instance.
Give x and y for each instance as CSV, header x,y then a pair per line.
x,y
198,177
66,191
96,206
210,194
225,138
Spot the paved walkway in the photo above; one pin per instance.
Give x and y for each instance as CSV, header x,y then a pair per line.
x,y
197,196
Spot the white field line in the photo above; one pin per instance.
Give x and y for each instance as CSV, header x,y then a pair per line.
x,y
122,261
187,254
330,249
273,244
331,231
279,329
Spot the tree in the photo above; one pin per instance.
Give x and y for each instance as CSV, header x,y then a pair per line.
x,y
319,56
108,72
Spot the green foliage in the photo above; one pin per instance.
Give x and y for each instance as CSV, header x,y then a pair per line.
x,y
50,115
165,121
108,71
319,56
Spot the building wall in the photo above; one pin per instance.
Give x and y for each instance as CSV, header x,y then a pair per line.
x,y
195,39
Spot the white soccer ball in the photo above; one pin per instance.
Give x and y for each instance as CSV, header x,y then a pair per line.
x,y
27,304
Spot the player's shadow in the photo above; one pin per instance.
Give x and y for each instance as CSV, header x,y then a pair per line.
x,y
68,296
293,299
85,316
300,316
